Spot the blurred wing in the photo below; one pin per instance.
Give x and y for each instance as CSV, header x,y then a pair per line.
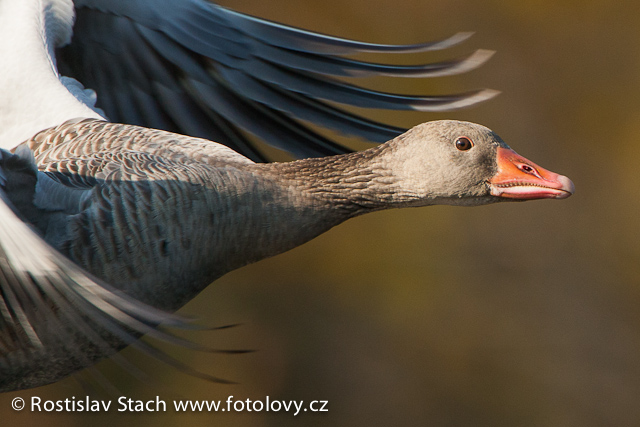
x,y
196,68
49,306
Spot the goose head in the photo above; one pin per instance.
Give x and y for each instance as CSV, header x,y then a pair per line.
x,y
462,163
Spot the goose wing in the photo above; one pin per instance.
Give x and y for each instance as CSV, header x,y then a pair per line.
x,y
49,305
197,68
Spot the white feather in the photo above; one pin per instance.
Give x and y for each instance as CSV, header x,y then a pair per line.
x,y
34,97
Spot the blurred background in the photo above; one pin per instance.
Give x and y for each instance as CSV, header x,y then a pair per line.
x,y
522,314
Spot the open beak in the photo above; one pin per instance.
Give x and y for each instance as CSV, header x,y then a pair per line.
x,y
519,178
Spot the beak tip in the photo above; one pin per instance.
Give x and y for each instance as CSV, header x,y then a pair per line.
x,y
567,185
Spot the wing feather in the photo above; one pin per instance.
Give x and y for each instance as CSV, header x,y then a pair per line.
x,y
222,60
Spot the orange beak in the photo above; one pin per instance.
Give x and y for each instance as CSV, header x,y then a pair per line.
x,y
519,178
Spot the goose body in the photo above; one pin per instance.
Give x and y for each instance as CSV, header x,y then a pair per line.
x,y
175,209
133,222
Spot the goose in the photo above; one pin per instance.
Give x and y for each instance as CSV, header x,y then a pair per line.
x,y
108,228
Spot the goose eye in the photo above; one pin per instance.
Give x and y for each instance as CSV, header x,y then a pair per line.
x,y
463,143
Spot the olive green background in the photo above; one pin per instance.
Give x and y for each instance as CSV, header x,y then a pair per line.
x,y
519,314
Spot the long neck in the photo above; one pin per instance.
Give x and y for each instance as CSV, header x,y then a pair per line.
x,y
32,96
352,184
